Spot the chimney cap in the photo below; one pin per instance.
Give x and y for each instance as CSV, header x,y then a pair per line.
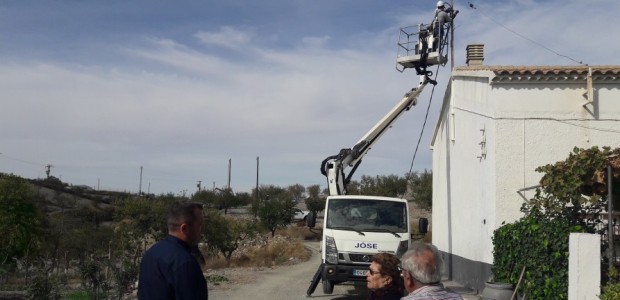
x,y
475,54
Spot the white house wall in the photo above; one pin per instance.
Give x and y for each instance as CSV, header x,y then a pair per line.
x,y
490,139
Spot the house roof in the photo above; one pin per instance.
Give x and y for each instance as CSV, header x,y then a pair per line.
x,y
517,74
546,73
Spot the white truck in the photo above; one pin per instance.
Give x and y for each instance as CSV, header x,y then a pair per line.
x,y
357,227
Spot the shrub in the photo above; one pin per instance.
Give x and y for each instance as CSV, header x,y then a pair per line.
x,y
541,246
611,292
44,286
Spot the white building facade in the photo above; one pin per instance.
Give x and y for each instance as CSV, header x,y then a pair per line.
x,y
497,125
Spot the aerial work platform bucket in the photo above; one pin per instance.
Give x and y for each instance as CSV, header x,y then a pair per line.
x,y
420,47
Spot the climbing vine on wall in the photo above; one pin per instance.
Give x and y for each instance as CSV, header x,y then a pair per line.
x,y
575,186
571,195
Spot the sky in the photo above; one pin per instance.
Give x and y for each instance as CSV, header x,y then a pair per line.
x,y
158,95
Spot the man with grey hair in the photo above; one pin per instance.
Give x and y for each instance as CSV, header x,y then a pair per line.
x,y
421,271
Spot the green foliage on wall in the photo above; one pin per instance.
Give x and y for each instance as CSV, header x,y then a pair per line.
x,y
571,196
540,245
575,186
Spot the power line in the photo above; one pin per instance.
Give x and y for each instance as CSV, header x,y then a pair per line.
x,y
471,5
423,125
22,161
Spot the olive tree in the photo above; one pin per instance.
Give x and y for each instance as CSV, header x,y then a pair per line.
x,y
21,222
315,203
223,234
421,188
276,210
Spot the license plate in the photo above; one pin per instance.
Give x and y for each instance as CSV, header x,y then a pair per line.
x,y
359,272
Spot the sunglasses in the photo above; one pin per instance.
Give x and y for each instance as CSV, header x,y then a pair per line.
x,y
403,271
371,272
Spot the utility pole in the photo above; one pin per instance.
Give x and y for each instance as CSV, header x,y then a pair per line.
x,y
256,198
140,186
48,170
229,169
452,39
198,185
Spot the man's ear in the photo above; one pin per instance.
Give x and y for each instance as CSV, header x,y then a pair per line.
x,y
406,277
182,227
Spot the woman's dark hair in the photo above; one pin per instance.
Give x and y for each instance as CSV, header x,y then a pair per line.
x,y
389,265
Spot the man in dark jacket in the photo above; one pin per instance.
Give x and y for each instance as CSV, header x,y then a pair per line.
x,y
168,269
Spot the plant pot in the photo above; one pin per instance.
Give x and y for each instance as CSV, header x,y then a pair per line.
x,y
497,291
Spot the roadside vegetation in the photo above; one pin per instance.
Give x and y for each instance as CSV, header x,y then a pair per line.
x,y
572,197
67,242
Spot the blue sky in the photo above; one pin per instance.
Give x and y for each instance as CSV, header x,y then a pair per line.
x,y
100,88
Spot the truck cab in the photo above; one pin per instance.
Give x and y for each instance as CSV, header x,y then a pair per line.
x,y
357,227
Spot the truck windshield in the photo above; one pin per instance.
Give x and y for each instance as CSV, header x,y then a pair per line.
x,y
367,215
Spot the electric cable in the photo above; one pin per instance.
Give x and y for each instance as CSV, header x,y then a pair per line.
x,y
428,108
22,160
472,6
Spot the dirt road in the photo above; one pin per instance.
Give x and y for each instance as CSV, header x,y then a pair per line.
x,y
289,282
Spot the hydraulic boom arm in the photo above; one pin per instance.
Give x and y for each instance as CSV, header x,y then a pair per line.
x,y
333,167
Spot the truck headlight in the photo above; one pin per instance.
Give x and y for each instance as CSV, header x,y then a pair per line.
x,y
331,252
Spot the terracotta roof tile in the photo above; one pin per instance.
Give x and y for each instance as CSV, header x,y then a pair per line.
x,y
546,73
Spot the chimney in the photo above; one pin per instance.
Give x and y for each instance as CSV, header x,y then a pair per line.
x,y
475,54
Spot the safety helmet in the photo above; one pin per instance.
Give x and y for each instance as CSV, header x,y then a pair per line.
x,y
439,3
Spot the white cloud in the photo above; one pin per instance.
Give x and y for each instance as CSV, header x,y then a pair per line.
x,y
182,110
227,37
316,42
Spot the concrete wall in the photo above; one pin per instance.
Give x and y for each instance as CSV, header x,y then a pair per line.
x,y
584,269
491,137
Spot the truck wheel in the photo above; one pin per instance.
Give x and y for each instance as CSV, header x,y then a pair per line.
x,y
328,286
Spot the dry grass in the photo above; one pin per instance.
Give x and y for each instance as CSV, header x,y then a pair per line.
x,y
287,247
302,231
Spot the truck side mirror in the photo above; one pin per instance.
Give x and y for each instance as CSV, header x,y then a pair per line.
x,y
311,220
423,225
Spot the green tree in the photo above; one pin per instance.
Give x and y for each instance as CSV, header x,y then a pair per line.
x,y
21,222
421,187
207,197
353,188
124,272
276,210
315,203
44,285
224,235
53,183
379,185
226,199
148,216
297,190
92,272
244,198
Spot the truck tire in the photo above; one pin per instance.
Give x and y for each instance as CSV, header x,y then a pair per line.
x,y
328,287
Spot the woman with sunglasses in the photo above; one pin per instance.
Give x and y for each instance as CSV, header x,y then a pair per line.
x,y
383,277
